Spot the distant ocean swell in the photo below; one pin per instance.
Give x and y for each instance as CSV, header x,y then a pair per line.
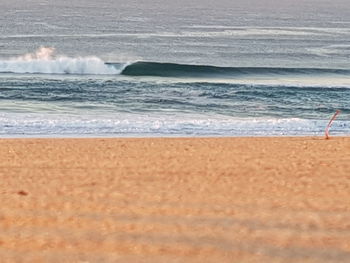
x,y
44,61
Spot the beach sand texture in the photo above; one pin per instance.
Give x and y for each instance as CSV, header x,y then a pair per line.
x,y
175,200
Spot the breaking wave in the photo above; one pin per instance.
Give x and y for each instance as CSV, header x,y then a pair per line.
x,y
183,70
45,61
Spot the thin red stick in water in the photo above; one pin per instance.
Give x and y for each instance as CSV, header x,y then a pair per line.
x,y
330,123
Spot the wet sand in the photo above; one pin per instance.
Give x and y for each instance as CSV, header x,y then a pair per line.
x,y
175,200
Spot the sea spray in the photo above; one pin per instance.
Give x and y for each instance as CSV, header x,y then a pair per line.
x,y
45,61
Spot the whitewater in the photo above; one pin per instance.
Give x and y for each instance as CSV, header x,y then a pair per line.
x,y
45,61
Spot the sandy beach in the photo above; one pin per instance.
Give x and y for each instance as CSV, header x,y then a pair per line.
x,y
175,200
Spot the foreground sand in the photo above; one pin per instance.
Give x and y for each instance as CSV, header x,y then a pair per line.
x,y
175,200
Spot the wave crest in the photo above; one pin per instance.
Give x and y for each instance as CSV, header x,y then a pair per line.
x,y
45,61
143,68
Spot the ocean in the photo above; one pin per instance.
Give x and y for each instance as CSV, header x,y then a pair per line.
x,y
84,68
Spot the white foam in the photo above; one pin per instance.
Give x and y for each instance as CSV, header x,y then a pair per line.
x,y
37,124
45,61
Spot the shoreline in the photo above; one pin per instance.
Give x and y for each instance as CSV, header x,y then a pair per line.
x,y
192,199
157,136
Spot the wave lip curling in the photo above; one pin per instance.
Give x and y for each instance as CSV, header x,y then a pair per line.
x,y
44,61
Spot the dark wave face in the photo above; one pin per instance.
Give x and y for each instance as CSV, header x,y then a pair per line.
x,y
183,70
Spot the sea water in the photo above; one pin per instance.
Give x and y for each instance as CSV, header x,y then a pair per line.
x,y
174,68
